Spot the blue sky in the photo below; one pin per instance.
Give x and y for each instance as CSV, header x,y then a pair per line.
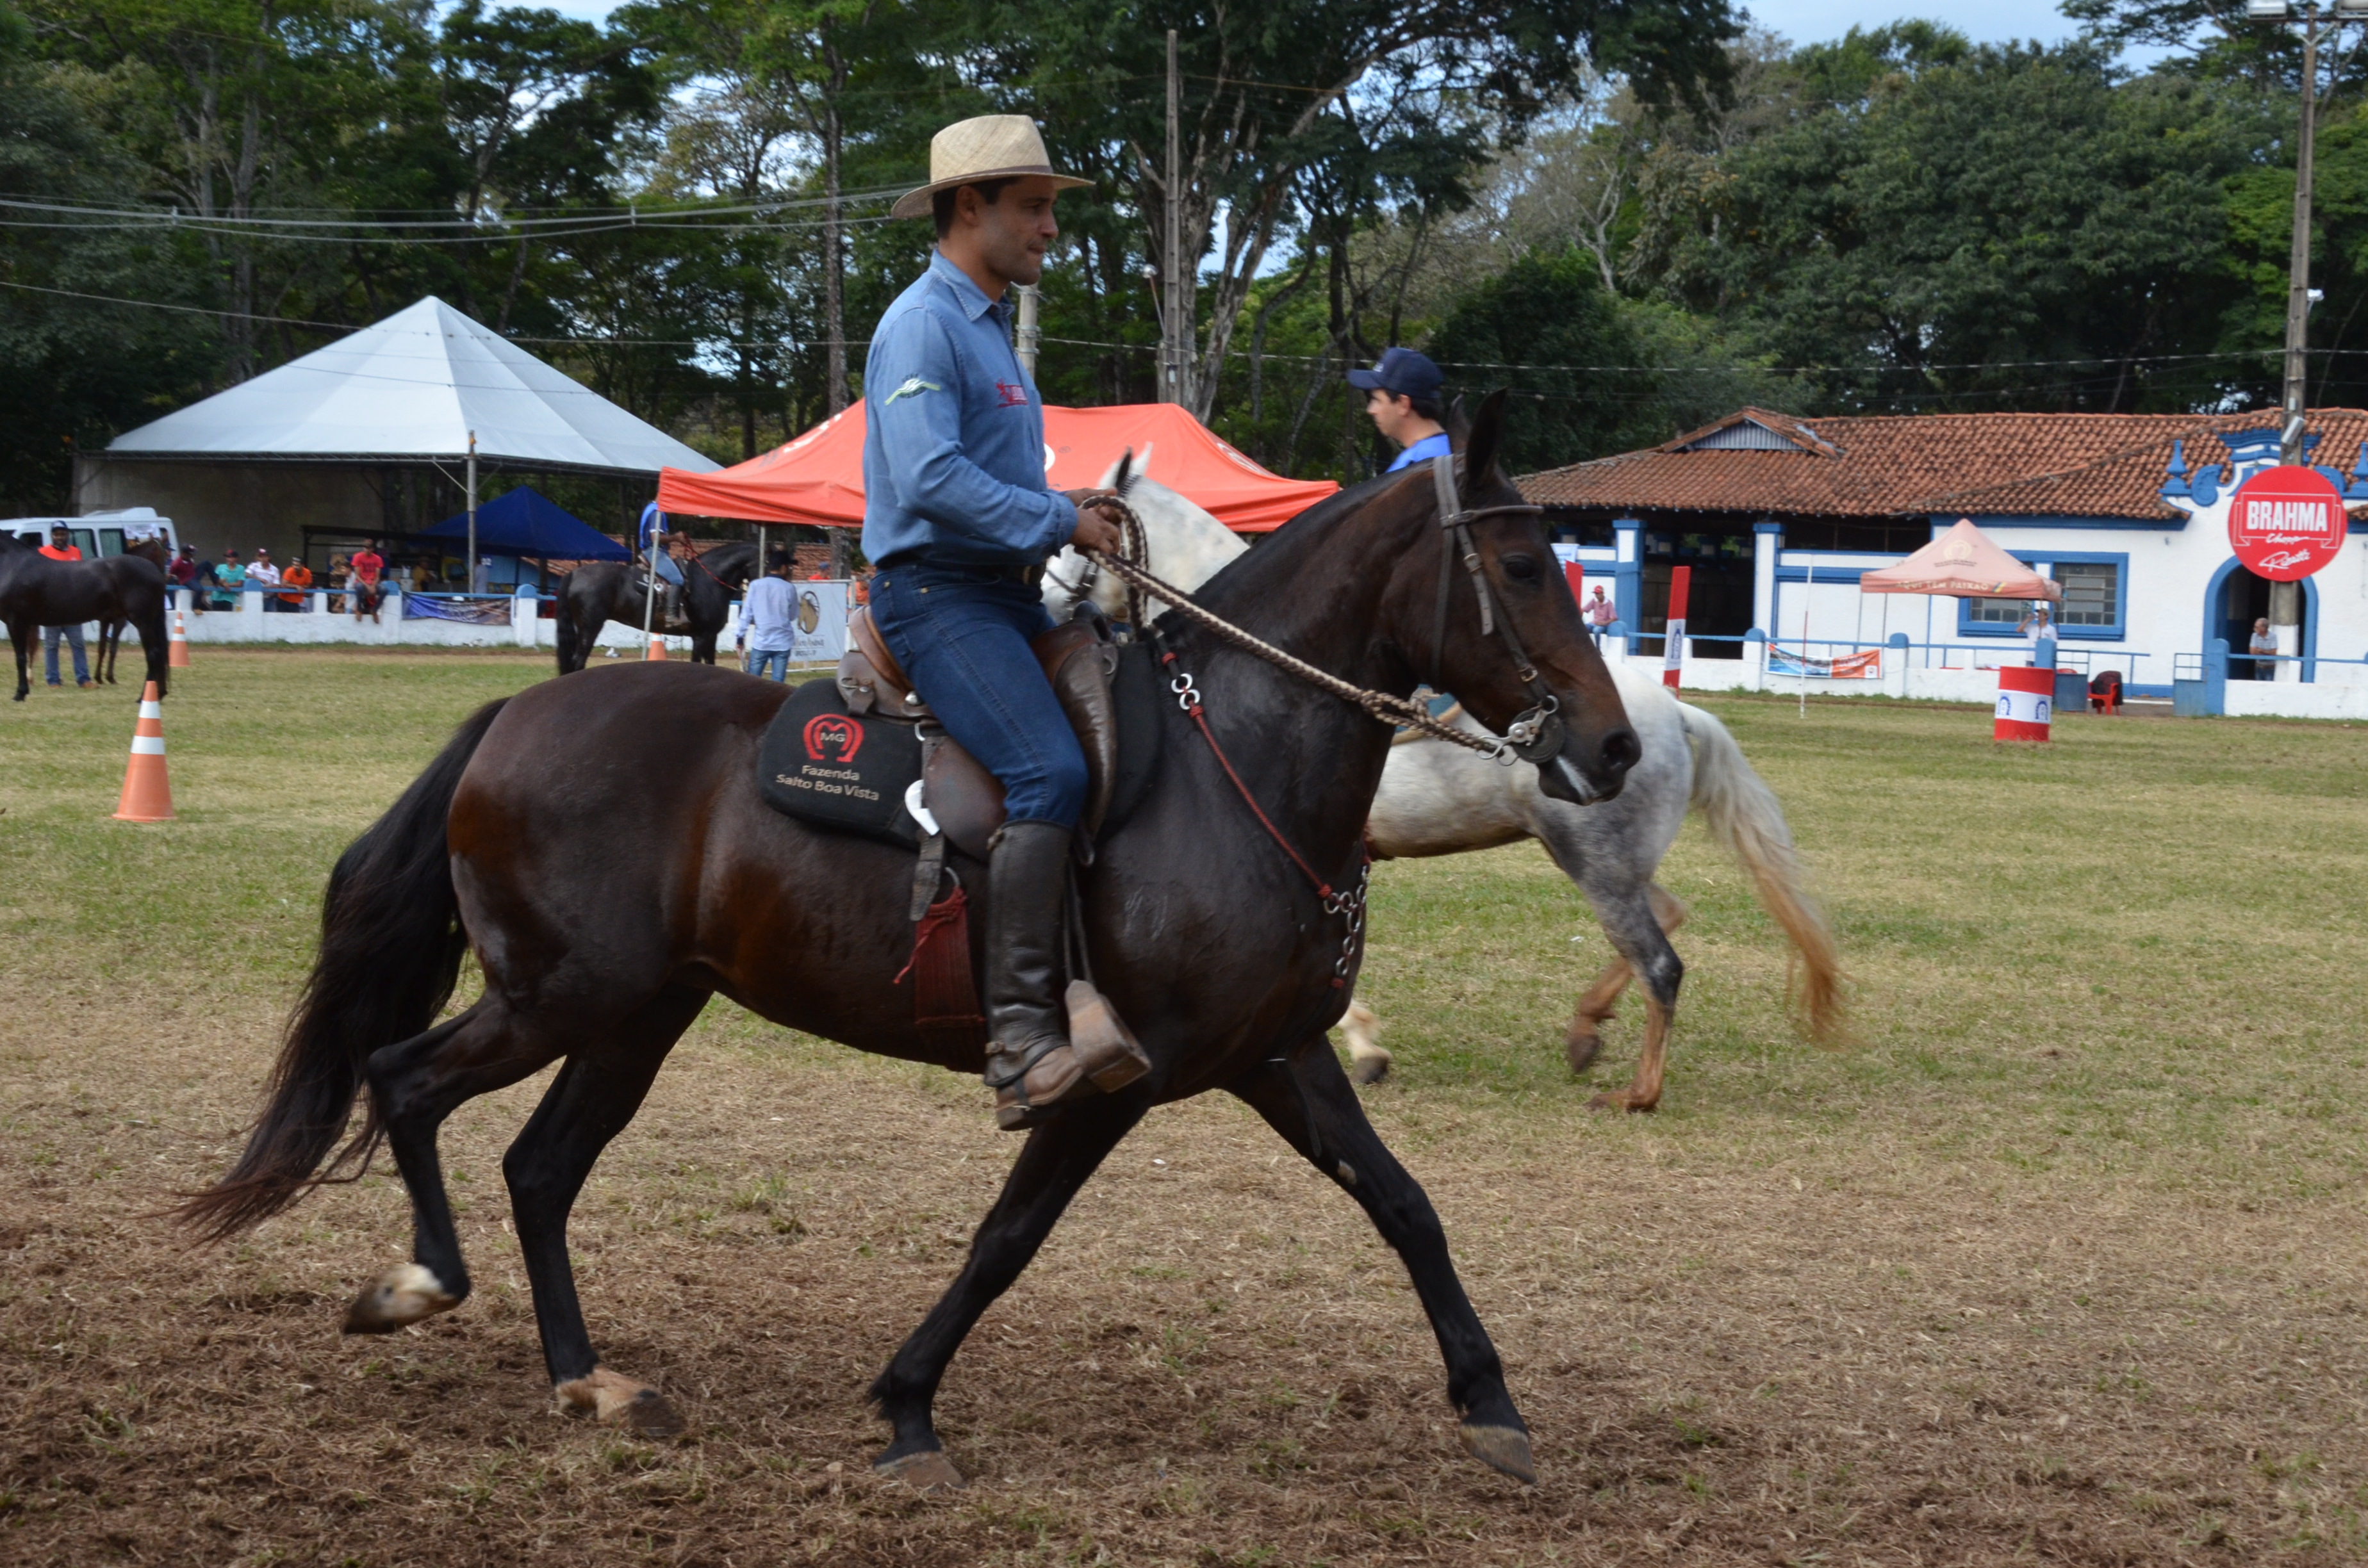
x,y
1994,21
1803,21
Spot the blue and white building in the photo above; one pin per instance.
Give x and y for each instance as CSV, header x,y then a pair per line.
x,y
1779,517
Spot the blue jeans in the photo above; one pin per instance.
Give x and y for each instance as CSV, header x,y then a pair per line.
x,y
73,635
663,564
777,659
962,635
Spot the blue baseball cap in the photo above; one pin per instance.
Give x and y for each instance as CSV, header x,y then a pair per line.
x,y
1403,371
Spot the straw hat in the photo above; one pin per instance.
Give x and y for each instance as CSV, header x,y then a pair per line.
x,y
992,146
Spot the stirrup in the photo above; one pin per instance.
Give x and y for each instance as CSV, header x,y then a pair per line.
x,y
1101,1054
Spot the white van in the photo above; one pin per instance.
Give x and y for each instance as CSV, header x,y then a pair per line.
x,y
101,533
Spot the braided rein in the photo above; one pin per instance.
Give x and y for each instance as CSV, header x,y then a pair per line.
x,y
1395,710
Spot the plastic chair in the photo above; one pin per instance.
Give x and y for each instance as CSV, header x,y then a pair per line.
x,y
2105,692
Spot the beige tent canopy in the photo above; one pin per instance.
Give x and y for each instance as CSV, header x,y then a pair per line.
x,y
1962,564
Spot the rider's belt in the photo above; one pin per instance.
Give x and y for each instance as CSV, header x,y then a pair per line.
x,y
985,571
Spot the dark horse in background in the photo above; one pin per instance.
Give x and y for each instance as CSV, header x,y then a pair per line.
x,y
115,591
601,847
602,591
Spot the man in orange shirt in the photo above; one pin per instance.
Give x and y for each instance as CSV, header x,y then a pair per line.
x,y
61,548
299,577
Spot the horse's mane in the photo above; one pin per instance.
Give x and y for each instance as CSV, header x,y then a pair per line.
x,y
1291,547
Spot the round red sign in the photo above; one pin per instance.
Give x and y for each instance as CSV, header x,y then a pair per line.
x,y
2285,523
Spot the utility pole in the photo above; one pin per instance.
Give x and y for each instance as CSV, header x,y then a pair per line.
x,y
2290,447
2286,599
1030,335
473,512
1175,329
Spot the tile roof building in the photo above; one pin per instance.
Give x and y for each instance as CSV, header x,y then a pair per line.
x,y
1778,515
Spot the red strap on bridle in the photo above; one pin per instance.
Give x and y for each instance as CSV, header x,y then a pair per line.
x,y
1323,888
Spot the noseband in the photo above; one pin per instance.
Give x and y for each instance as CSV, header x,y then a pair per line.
x,y
1537,733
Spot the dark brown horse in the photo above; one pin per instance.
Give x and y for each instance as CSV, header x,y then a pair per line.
x,y
36,591
602,591
599,844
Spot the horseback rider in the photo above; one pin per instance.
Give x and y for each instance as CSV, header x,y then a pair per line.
x,y
960,522
657,546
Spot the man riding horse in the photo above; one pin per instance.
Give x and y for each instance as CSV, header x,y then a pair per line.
x,y
960,522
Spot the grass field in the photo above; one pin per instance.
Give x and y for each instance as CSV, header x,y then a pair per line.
x,y
2063,1262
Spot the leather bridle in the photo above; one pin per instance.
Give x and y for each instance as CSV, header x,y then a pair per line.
x,y
1537,733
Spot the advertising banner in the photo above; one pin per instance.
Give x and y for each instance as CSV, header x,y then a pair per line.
x,y
1865,666
480,611
2285,523
819,634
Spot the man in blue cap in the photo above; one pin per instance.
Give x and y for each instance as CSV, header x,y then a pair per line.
x,y
1401,399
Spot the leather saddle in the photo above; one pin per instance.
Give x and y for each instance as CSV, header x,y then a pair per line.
x,y
678,623
1079,659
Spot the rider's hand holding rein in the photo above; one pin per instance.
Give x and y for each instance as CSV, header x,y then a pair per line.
x,y
1097,523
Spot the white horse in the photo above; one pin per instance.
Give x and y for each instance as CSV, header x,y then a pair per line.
x,y
1438,798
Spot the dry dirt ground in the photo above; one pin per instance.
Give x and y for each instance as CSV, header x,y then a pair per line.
x,y
2063,1264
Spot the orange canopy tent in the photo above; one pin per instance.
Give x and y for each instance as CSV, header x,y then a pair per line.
x,y
1960,565
818,478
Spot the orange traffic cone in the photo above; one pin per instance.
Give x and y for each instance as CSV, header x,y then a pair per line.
x,y
146,795
176,655
657,648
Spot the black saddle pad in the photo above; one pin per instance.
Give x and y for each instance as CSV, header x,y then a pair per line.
x,y
848,771
851,771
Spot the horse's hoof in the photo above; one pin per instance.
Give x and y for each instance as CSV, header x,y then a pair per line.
x,y
401,1297
1505,1450
614,1400
650,1413
926,1471
1581,1049
1369,1070
1621,1102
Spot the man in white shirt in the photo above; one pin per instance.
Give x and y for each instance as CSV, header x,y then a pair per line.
x,y
264,570
770,614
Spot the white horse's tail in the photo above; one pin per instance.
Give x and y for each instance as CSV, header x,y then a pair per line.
x,y
1743,814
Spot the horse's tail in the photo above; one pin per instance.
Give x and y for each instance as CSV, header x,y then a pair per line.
x,y
391,948
1743,814
565,629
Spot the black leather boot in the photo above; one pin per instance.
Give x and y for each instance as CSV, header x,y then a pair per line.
x,y
1027,1020
673,603
1052,1040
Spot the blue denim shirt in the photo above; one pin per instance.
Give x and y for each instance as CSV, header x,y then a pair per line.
x,y
953,439
1422,451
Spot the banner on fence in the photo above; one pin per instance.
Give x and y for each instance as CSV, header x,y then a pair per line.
x,y
1864,666
476,611
819,634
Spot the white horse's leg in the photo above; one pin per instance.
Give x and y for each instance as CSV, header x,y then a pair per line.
x,y
1368,1062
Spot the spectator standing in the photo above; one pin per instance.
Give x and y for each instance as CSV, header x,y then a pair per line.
x,y
261,570
62,548
363,574
770,613
2040,627
232,576
2265,642
298,576
335,581
183,574
1600,613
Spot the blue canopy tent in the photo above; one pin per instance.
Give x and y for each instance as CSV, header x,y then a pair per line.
x,y
528,523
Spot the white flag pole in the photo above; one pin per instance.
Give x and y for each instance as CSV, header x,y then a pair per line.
x,y
1808,591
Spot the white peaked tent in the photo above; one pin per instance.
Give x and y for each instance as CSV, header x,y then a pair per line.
x,y
411,388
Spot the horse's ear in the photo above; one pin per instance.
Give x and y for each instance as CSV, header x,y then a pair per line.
x,y
1487,438
1459,424
1125,474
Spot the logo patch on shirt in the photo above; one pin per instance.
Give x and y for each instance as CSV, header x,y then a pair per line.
x,y
1010,394
914,387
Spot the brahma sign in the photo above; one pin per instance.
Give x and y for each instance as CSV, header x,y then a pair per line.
x,y
2285,523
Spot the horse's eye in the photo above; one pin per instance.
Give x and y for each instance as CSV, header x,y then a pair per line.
x,y
1520,568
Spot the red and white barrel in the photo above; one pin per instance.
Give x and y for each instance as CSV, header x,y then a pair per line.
x,y
2026,703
